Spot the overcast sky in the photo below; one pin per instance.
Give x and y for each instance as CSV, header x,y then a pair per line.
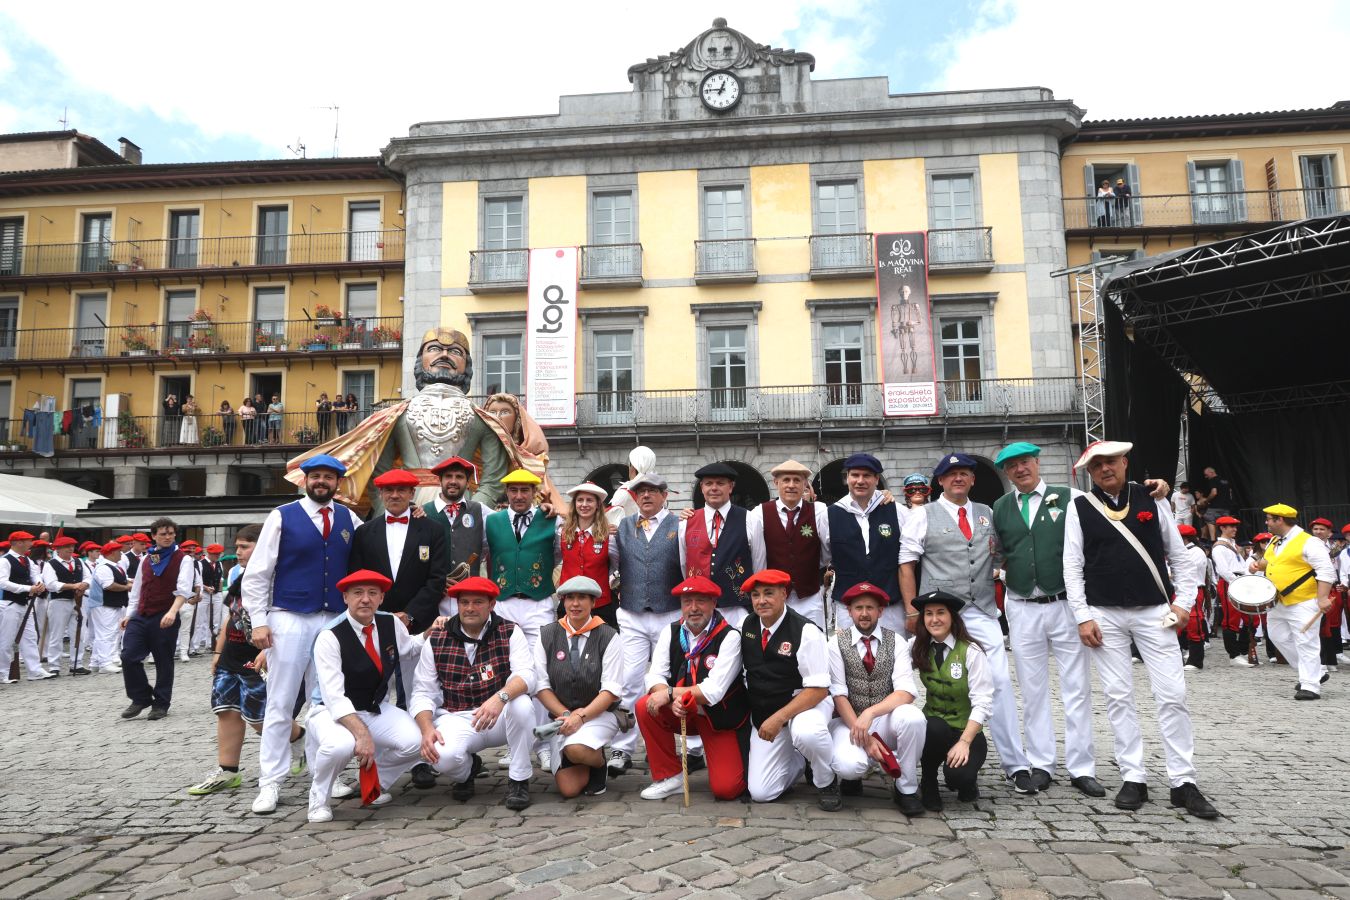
x,y
203,81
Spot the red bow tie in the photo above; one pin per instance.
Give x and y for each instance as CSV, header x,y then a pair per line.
x,y
402,520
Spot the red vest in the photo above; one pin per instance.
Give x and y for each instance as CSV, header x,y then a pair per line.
x,y
157,591
798,552
583,556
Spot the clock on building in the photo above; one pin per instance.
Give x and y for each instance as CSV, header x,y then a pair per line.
x,y
720,91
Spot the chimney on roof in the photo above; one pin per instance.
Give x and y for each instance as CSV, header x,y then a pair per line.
x,y
130,152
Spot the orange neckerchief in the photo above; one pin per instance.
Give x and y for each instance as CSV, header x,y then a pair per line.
x,y
594,623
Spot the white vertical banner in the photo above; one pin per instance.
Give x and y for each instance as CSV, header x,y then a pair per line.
x,y
551,336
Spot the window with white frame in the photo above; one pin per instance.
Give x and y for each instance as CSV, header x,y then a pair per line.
x,y
364,238
360,311
185,228
614,370
728,353
953,237
842,347
503,363
962,358
613,252
11,246
273,226
504,258
724,247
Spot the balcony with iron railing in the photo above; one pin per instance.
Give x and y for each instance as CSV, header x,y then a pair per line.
x,y
841,255
134,258
498,270
1210,212
725,261
961,249
174,342
611,265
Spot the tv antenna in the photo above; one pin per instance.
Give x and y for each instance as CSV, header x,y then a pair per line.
x,y
336,123
298,149
65,117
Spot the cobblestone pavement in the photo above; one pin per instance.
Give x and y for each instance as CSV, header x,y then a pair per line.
x,y
95,806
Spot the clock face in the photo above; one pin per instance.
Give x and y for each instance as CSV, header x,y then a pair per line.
x,y
720,91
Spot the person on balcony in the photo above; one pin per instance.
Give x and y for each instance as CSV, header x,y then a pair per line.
x,y
187,430
323,414
248,414
274,411
1105,199
340,408
227,422
1123,211
353,409
169,425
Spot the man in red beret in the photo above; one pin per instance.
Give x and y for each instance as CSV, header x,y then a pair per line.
x,y
461,518
115,586
787,673
64,577
1329,629
356,657
472,692
20,583
1192,638
695,675
409,550
1238,628
211,577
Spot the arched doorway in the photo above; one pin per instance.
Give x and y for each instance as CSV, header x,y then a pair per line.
x,y
750,491
609,477
829,482
989,484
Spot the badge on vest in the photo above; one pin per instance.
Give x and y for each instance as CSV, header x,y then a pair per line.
x,y
984,521
808,531
956,669
709,661
487,672
346,536
466,520
423,552
785,648
561,655
884,530
154,559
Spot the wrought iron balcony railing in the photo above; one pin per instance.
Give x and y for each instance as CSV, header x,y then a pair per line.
x,y
1209,210
130,256
619,263
961,248
725,260
498,267
841,253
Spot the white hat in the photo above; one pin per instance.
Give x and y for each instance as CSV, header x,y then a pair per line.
x,y
1102,448
642,459
587,487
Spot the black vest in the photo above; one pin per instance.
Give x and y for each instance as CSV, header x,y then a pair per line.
x,y
731,712
212,575
65,576
1114,573
880,564
771,673
115,599
363,685
133,562
19,574
575,688
463,536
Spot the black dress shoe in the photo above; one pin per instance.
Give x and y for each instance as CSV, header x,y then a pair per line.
x,y
517,795
697,763
909,804
133,711
79,670
1301,694
1326,676
851,787
464,789
423,776
1133,795
1188,797
1040,779
969,793
930,796
156,712
1021,782
830,800
1088,785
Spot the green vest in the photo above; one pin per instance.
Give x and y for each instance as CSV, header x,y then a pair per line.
x,y
1036,556
948,690
523,569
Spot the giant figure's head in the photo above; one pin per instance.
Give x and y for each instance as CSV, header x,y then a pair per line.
x,y
444,358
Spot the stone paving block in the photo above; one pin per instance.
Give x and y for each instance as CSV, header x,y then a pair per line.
x,y
897,886
1100,866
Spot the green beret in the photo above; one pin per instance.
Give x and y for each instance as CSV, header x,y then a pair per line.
x,y
1016,451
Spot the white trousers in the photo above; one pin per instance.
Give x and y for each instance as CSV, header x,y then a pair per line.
x,y
1003,721
103,628
11,614
776,765
530,616
1285,624
290,667
40,617
60,618
514,729
1036,631
640,635
397,739
902,729
208,620
1158,647
812,607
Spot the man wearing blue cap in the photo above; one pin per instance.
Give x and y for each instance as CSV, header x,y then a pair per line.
x,y
865,536
1030,523
289,604
955,538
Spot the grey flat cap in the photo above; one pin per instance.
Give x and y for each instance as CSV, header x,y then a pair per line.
x,y
579,584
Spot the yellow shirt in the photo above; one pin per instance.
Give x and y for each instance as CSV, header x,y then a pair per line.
x,y
1289,566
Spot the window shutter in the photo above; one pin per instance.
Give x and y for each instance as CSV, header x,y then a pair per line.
x,y
1090,192
1197,209
1136,202
1238,186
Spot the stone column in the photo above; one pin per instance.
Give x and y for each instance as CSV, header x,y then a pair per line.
x,y
130,482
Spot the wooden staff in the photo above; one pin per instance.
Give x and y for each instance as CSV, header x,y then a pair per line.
x,y
79,628
684,755
23,626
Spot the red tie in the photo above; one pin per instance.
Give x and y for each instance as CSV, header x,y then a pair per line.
x,y
327,523
370,647
869,661
717,529
791,518
764,639
401,520
964,523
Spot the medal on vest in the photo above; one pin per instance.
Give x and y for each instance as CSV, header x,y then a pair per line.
x,y
154,559
956,669
785,648
984,521
423,552
709,661
884,530
466,520
808,531
487,672
561,655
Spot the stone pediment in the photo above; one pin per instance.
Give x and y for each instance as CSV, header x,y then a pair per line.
x,y
721,47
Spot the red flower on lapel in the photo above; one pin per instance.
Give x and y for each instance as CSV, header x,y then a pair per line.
x,y
1145,516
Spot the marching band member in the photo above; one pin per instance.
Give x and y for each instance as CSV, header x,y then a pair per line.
x,y
1192,638
1301,568
1238,628
20,581
1329,629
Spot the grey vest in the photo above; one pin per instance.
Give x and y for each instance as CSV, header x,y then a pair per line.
x,y
575,688
953,564
649,569
865,688
463,540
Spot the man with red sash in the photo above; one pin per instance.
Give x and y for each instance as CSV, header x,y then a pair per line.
x,y
793,535
163,584
1300,566
714,541
1239,629
695,676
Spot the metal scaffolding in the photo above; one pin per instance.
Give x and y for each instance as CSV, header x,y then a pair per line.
x,y
1084,283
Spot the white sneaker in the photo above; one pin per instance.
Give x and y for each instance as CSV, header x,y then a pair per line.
x,y
546,759
266,801
1343,659
8,680
659,790
112,670
341,791
385,797
183,657
505,761
1190,668
320,814
1239,662
43,677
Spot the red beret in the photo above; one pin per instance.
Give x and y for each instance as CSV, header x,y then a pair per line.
x,y
112,547
215,548
397,478
697,584
1345,529
141,536
454,461
475,585
37,543
1263,536
4,545
20,536
190,545
1226,520
1186,530
124,539
1326,522
87,544
768,578
865,588
365,576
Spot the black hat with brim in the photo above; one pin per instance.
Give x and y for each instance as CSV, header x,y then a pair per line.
x,y
951,601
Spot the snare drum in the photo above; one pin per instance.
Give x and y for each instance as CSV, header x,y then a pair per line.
x,y
1252,594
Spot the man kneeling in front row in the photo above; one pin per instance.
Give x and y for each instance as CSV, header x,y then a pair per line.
x,y
354,659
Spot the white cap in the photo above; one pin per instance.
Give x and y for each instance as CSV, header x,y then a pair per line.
x,y
587,487
1102,448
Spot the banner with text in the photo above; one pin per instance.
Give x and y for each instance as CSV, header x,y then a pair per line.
x,y
908,368
551,336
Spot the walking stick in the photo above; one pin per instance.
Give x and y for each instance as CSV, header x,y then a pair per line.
x,y
826,592
192,628
684,756
23,626
75,653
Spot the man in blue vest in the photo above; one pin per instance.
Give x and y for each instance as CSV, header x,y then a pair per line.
x,y
865,531
290,591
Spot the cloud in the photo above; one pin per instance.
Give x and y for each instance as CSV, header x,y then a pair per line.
x,y
1157,57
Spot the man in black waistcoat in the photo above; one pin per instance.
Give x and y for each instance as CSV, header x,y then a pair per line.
x,y
865,531
355,659
787,674
714,542
408,550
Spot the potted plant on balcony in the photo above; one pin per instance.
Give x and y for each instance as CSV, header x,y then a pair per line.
x,y
129,433
175,348
305,435
137,341
200,319
212,436
318,341
324,315
267,342
208,341
387,338
351,338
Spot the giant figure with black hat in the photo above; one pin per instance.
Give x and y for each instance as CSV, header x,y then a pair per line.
x,y
955,538
1117,543
865,535
290,590
714,542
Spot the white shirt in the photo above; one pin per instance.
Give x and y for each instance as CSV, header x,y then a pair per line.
x,y
1315,554
1195,560
104,572
902,672
328,661
1182,503
1227,564
754,531
182,586
1075,584
611,665
1344,559
256,589
914,530
724,671
429,696
1038,494
813,662
860,514
979,681
395,537
15,587
55,584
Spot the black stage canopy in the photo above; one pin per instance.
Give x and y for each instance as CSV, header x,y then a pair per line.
x,y
1256,330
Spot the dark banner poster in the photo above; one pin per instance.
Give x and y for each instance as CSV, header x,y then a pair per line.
x,y
908,370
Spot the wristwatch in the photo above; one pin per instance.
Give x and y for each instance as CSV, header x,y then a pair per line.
x,y
504,696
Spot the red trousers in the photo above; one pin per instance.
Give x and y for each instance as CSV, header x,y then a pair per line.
x,y
1331,620
1195,624
721,749
1232,619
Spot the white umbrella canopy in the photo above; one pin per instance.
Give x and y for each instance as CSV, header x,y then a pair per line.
x,y
43,502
